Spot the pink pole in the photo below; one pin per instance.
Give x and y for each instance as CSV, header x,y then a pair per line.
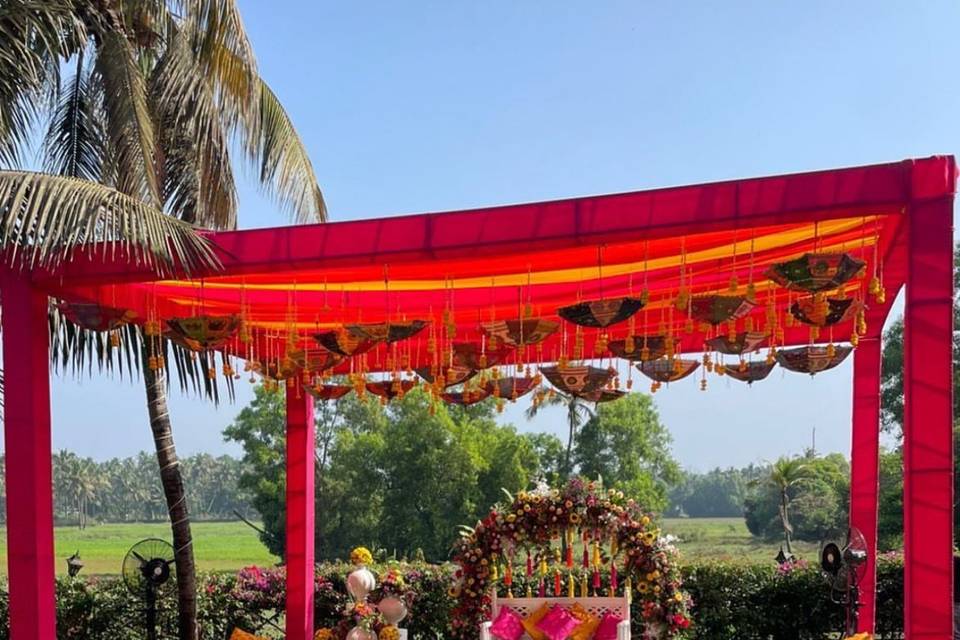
x,y
300,514
865,462
928,423
28,465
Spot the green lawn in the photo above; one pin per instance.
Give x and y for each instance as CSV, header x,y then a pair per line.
x,y
728,540
220,546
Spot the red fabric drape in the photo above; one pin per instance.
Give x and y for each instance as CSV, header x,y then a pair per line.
x,y
300,515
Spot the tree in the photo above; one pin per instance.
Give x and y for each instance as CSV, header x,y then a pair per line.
x,y
716,494
626,444
784,476
159,93
578,413
549,454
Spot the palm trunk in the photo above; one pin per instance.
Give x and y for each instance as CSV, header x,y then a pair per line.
x,y
173,490
786,521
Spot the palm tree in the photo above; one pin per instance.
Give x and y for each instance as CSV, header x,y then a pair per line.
x,y
578,414
784,475
137,149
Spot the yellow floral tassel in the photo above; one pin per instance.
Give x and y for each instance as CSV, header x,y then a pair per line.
x,y
584,592
571,587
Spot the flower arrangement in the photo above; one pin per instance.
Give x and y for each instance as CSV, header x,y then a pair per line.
x,y
389,633
361,556
323,634
392,583
364,615
541,528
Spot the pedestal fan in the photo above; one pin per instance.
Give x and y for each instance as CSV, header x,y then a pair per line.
x,y
845,568
147,572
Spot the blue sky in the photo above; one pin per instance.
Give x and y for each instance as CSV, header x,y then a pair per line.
x,y
430,106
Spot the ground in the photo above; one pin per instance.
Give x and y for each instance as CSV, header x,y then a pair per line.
x,y
227,546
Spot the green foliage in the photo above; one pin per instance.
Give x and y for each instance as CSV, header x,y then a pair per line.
x,y
716,494
625,444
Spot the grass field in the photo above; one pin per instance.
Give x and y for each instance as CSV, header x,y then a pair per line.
x,y
220,546
727,540
226,546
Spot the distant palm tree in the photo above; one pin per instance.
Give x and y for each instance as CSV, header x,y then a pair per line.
x,y
784,475
162,92
578,414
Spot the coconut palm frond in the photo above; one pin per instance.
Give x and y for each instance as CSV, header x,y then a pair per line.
x,y
73,145
198,183
130,124
284,165
43,218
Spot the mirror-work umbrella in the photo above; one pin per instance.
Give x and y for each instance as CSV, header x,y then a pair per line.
x,y
390,389
451,376
666,370
716,309
388,331
823,312
812,359
815,271
744,342
514,333
600,313
328,391
637,348
466,397
203,333
470,355
604,395
344,342
511,387
95,317
578,380
294,362
750,371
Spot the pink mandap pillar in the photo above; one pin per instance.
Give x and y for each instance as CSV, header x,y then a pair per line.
x,y
300,514
928,422
26,429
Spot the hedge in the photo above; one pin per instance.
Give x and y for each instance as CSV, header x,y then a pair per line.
x,y
730,601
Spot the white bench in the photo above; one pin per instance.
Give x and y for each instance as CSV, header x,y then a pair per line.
x,y
595,606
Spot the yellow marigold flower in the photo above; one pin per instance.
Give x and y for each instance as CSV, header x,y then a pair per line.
x,y
323,634
678,597
361,555
389,633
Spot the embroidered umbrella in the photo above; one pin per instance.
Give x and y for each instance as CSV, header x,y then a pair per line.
x,y
464,398
815,271
656,347
514,333
744,342
511,387
95,317
388,331
716,309
390,389
328,391
344,342
823,312
752,371
578,380
666,370
202,333
600,313
604,395
470,355
296,361
812,359
451,375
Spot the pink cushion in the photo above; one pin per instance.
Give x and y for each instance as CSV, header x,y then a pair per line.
x,y
508,625
608,627
558,624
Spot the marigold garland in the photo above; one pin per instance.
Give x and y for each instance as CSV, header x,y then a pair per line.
x,y
617,536
361,556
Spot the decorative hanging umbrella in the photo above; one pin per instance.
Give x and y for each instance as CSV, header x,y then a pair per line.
x,y
604,395
656,348
812,359
328,391
745,342
666,370
470,355
464,398
824,312
600,313
452,375
344,342
514,333
716,309
95,317
390,389
815,271
294,362
202,333
578,380
511,387
752,372
388,331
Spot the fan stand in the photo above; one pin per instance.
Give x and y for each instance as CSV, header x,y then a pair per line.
x,y
852,603
150,598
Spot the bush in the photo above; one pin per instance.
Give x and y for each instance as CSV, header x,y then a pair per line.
x,y
730,601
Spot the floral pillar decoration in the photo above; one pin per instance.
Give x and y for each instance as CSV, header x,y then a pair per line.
x,y
360,583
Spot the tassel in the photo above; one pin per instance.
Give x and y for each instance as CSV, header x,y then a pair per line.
x,y
571,588
596,581
613,579
586,557
542,589
529,591
508,575
569,559
557,584
583,586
